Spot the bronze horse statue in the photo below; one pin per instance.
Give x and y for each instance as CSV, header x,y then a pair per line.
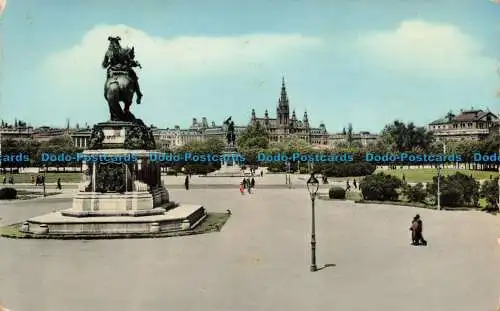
x,y
120,84
118,89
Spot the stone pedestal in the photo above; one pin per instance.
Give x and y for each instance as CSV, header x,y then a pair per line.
x,y
121,189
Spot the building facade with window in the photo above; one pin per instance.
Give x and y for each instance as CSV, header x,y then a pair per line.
x,y
471,124
361,138
285,125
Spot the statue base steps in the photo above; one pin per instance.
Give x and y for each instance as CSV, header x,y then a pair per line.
x,y
181,218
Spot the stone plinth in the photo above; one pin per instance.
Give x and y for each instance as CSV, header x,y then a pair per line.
x,y
121,190
128,201
119,134
183,217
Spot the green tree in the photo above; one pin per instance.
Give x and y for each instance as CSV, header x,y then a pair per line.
x,y
489,191
403,137
296,145
57,146
254,136
211,147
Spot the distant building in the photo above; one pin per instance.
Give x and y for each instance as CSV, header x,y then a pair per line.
x,y
81,137
468,125
197,132
283,126
16,133
363,138
46,133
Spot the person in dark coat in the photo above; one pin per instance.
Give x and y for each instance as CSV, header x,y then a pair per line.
x,y
413,229
355,184
186,182
252,183
59,186
348,186
420,229
417,231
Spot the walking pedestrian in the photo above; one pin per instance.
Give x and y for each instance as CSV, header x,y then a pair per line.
x,y
417,232
348,186
59,186
355,184
261,173
242,188
249,186
252,183
186,182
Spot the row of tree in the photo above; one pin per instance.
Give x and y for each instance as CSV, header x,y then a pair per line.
x,y
396,137
456,190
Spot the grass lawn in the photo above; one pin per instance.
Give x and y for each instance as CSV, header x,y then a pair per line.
x,y
51,177
426,174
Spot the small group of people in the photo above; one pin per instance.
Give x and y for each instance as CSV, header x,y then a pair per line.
x,y
247,184
39,180
348,185
253,172
417,237
10,180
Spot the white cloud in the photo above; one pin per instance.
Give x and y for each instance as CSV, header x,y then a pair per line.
x,y
176,56
428,49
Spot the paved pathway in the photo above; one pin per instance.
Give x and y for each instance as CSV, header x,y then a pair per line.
x,y
260,261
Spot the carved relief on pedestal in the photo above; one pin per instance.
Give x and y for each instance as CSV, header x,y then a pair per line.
x,y
140,186
85,182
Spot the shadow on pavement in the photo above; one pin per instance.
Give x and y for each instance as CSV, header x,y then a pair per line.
x,y
327,266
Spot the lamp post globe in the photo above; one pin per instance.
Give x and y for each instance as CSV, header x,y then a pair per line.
x,y
312,185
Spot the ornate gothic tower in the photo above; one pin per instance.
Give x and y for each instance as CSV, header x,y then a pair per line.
x,y
293,122
305,120
254,118
283,110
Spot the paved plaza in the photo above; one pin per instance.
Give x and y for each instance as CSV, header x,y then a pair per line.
x,y
260,260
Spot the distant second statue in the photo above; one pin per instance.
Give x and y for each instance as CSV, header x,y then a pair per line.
x,y
121,80
230,135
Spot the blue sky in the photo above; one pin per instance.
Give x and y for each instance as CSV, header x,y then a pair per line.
x,y
364,62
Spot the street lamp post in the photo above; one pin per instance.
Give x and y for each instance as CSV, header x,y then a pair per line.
x,y
439,187
289,177
44,175
312,187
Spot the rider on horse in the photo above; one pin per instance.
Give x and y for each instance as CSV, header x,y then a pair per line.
x,y
120,59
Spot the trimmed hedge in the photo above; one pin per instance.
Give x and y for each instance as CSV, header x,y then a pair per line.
x,y
416,193
336,193
8,194
380,187
456,190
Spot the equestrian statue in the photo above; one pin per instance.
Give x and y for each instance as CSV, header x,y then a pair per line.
x,y
121,81
231,137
